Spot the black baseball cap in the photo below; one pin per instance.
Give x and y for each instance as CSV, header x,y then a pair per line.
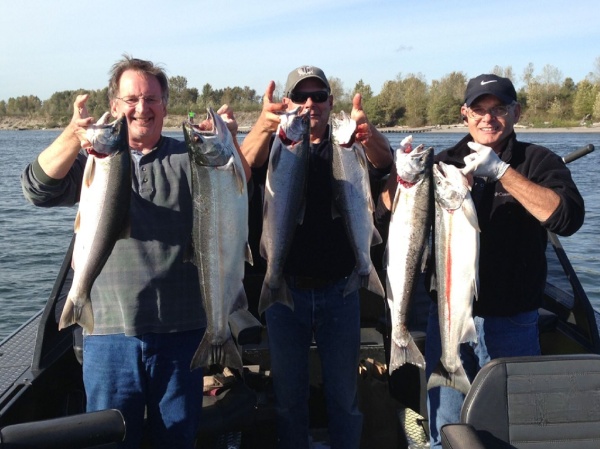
x,y
490,85
301,73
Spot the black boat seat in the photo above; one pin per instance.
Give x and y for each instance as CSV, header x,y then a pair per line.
x,y
548,401
95,430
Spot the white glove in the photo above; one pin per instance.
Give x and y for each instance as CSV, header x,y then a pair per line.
x,y
484,162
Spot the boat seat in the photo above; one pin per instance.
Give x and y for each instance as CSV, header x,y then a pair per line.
x,y
531,402
95,430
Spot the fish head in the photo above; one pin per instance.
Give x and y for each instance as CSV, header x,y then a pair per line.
x,y
107,139
294,127
343,130
450,186
412,166
209,148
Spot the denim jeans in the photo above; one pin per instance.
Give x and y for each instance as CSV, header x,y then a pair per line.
x,y
496,337
149,371
334,321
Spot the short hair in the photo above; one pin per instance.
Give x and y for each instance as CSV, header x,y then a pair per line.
x,y
138,65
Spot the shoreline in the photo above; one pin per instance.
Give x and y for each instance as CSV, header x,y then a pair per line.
x,y
246,120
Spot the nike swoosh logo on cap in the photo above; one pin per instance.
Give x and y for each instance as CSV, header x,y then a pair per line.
x,y
483,83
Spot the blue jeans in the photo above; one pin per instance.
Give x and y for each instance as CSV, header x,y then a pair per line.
x,y
152,372
334,321
496,337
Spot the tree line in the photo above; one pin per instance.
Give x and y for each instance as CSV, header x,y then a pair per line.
x,y
548,99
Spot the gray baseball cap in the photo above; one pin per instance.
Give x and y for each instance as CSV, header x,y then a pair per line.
x,y
302,73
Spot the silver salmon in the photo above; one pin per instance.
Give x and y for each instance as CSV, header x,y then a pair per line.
x,y
102,217
219,237
284,203
353,201
456,266
409,230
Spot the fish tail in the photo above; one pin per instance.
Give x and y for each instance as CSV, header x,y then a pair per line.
x,y
75,314
354,283
202,354
373,283
269,296
370,282
458,380
207,354
410,353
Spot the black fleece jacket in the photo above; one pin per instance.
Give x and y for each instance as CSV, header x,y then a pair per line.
x,y
512,261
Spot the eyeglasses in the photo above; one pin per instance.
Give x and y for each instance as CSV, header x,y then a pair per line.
x,y
319,96
133,101
479,112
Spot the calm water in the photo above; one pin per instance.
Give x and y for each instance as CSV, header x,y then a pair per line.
x,y
33,240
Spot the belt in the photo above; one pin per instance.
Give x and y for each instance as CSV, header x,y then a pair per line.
x,y
308,283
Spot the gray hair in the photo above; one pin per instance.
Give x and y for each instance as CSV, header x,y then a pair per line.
x,y
141,66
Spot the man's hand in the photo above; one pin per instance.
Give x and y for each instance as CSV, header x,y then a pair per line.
x,y
363,129
484,162
81,120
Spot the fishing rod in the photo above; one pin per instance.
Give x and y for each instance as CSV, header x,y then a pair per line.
x,y
579,294
580,152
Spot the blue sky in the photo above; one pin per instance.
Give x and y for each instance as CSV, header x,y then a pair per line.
x,y
59,45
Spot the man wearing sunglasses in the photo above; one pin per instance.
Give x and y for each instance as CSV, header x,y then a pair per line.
x,y
316,270
521,191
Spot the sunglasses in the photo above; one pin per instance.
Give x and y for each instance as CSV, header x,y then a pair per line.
x,y
319,96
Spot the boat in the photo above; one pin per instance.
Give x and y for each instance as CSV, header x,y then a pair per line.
x,y
42,399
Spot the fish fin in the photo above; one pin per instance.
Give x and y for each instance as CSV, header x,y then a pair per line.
x,y
189,255
125,232
376,237
370,282
74,314
301,211
89,171
410,353
241,300
207,354
469,331
442,378
396,199
335,213
470,213
269,296
374,284
248,254
77,223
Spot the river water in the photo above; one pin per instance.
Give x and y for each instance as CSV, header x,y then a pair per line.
x,y
33,240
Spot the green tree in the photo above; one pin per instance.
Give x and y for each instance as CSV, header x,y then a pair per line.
x,y
364,90
390,102
415,93
585,99
445,99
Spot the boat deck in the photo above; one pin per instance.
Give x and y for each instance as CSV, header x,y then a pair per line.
x,y
16,354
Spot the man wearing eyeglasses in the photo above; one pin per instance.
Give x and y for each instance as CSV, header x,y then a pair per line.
x,y
148,314
521,191
316,270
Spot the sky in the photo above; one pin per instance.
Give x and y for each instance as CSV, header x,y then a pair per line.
x,y
48,47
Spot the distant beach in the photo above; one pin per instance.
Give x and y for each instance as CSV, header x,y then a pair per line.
x,y
247,119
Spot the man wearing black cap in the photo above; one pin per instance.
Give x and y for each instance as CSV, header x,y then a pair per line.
x,y
316,270
521,191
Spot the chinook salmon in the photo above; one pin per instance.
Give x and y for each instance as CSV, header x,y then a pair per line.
x,y
456,266
409,230
353,201
284,203
102,217
219,237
